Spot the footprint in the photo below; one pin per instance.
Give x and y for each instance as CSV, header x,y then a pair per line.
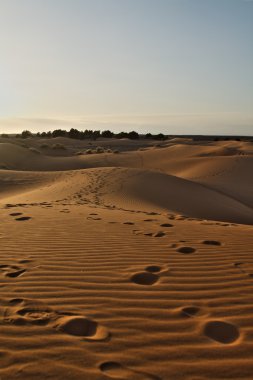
x,y
83,327
154,234
190,311
159,234
245,268
130,223
9,205
149,220
16,213
15,301
3,266
238,266
16,273
23,218
166,225
137,232
21,312
145,278
24,311
211,242
93,218
35,315
12,270
222,332
186,250
153,269
118,371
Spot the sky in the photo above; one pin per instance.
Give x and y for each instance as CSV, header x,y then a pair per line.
x,y
171,66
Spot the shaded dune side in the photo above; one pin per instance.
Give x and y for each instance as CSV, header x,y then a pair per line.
x,y
181,196
14,157
235,179
139,189
14,182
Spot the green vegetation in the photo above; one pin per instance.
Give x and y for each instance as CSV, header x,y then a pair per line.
x,y
90,134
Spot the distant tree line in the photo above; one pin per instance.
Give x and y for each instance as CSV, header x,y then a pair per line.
x,y
89,134
93,135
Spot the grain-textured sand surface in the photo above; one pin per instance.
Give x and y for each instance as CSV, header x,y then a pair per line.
x,y
136,265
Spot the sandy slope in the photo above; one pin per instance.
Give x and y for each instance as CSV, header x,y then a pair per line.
x,y
135,265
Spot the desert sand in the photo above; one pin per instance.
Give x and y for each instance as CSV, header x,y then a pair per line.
x,y
131,265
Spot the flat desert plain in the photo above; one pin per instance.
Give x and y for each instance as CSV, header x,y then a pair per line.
x,y
132,263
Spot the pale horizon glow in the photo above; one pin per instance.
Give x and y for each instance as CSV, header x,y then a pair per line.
x,y
171,66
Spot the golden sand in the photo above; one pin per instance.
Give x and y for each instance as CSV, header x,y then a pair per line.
x,y
137,265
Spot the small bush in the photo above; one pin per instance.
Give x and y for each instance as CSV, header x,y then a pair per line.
x,y
99,149
157,146
58,146
115,151
34,150
44,146
108,151
79,153
88,151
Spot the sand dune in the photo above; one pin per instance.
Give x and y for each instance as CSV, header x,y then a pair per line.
x,y
127,188
225,167
135,265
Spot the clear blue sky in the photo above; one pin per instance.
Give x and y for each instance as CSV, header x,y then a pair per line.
x,y
175,66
